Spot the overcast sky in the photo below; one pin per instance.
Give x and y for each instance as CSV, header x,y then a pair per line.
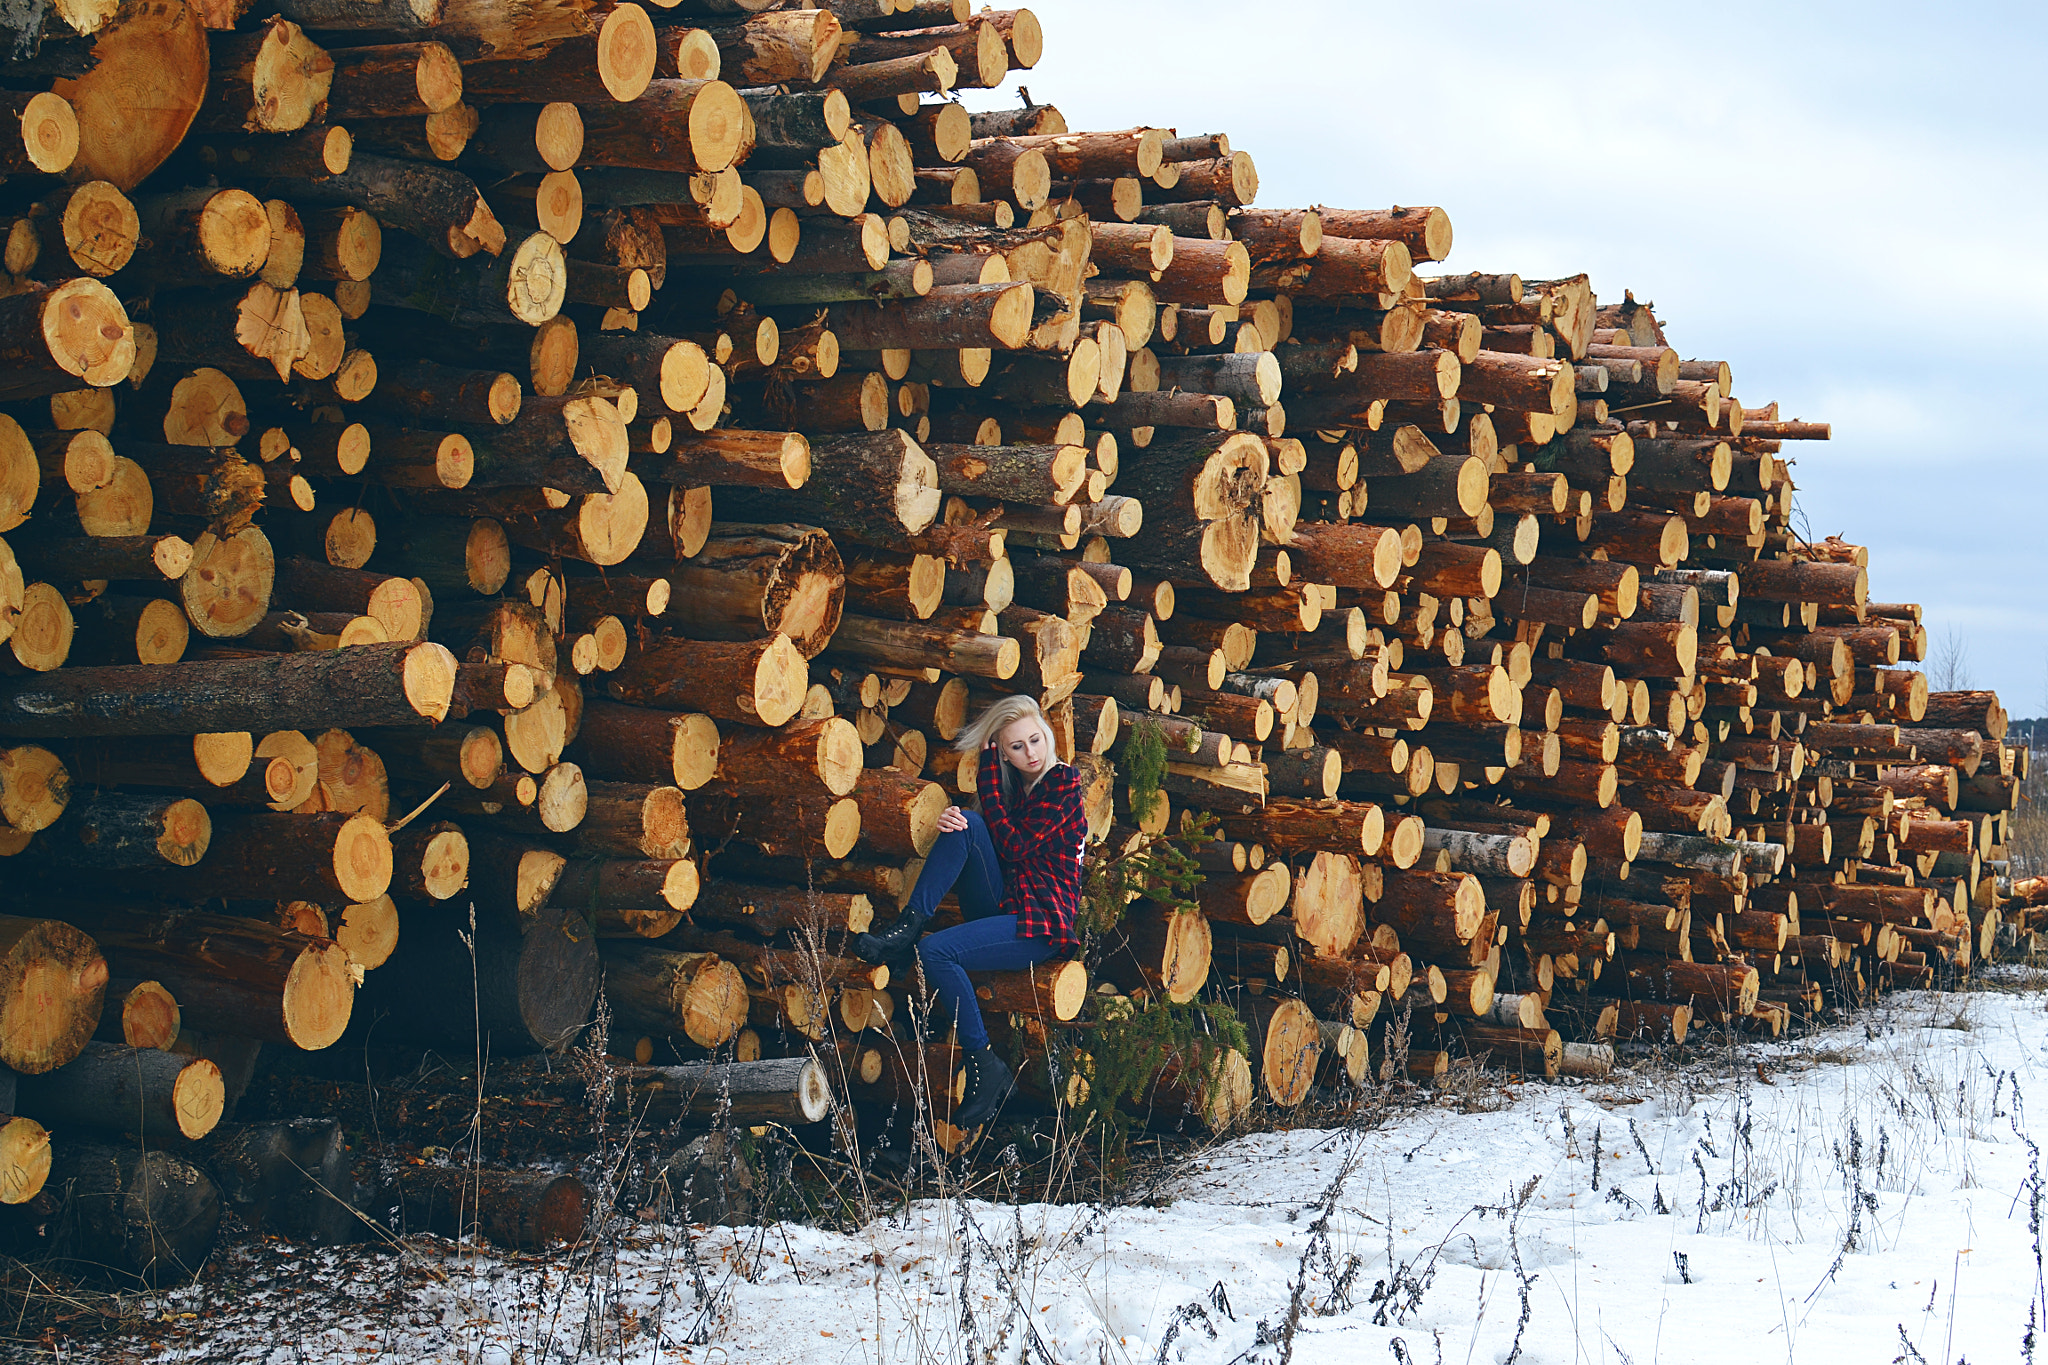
x,y
1846,203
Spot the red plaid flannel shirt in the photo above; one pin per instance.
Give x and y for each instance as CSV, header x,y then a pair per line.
x,y
1040,844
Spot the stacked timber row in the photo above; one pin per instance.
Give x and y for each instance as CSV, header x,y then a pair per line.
x,y
582,465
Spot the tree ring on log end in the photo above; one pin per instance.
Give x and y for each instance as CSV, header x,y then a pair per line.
x,y
362,859
538,280
188,830
34,788
198,1097
717,121
101,228
52,979
24,1160
149,1017
781,678
369,932
147,83
50,133
842,827
444,866
626,52
223,758
88,332
227,589
805,598
1293,1045
714,1006
319,995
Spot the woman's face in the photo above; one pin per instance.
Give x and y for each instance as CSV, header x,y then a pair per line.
x,y
1024,746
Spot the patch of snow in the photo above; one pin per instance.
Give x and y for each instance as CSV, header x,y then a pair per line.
x,y
1869,1188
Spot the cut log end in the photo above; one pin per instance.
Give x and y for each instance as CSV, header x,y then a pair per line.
x,y
227,590
24,1159
362,859
429,680
150,1016
55,979
49,133
369,932
319,994
198,1097
87,332
781,678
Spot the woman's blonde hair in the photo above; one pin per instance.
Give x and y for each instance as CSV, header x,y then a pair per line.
x,y
998,718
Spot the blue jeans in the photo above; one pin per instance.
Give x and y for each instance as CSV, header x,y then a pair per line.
x,y
965,863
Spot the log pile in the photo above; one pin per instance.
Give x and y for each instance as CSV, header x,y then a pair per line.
x,y
452,536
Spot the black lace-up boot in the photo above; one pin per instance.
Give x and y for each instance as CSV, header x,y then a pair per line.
x,y
895,942
988,1085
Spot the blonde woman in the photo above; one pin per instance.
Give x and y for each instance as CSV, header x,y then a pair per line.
x,y
1015,866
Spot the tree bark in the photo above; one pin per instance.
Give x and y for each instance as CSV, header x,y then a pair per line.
x,y
801,825
1166,952
769,910
750,459
129,831
525,282
55,337
288,1179
1309,829
233,975
144,1216
434,204
925,645
876,487
528,984
899,814
140,1092
696,994
949,317
518,1209
756,682
675,125
638,744
398,684
752,580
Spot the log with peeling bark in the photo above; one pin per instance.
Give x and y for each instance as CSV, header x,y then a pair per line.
x,y
750,581
695,994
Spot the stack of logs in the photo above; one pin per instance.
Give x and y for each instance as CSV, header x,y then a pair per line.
x,y
451,537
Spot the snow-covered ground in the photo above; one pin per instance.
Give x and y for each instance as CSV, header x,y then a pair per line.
x,y
1869,1195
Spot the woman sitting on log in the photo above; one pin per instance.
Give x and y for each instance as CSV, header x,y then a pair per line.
x,y
1015,866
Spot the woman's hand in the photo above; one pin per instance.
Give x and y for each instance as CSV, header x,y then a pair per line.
x,y
952,820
